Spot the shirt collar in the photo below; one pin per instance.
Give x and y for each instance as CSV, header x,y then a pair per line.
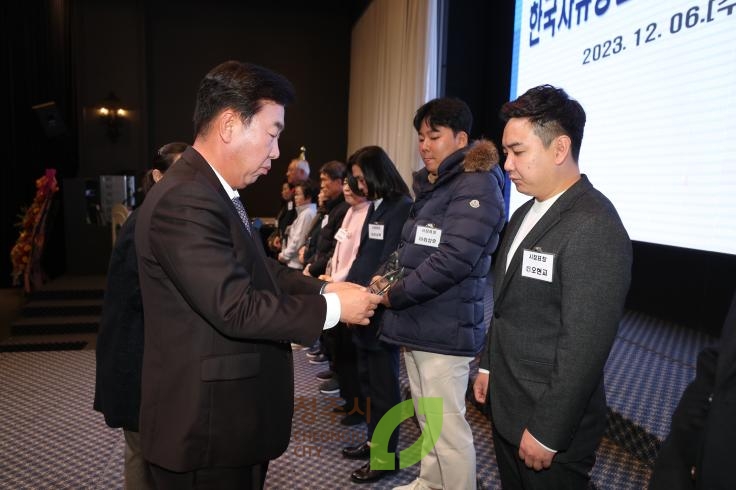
x,y
233,193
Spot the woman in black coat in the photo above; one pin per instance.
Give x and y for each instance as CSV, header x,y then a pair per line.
x,y
120,337
378,363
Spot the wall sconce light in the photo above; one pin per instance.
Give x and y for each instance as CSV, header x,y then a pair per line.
x,y
112,113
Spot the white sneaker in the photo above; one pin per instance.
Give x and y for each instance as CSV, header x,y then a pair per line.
x,y
415,485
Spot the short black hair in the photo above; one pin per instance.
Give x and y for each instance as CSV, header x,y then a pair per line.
x,y
552,112
333,169
240,86
449,112
308,188
379,172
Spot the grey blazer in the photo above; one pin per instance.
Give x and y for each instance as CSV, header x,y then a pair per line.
x,y
549,341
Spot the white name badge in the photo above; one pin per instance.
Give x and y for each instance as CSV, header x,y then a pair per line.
x,y
325,220
290,205
342,235
375,231
538,265
427,236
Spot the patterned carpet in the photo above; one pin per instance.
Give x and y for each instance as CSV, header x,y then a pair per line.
x,y
651,363
51,438
49,435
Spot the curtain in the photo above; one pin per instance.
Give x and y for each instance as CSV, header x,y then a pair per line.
x,y
393,70
36,66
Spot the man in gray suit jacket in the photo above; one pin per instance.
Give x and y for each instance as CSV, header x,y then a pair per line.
x,y
561,279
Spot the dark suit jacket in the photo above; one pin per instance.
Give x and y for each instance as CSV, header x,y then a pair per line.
x,y
372,253
217,367
703,427
550,341
324,236
119,351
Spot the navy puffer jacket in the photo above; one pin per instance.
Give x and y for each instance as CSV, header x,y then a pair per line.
x,y
438,305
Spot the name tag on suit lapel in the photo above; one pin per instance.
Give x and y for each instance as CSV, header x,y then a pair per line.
x,y
375,231
537,265
325,220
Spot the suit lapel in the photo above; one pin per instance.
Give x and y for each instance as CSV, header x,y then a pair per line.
x,y
252,241
508,238
548,221
550,218
372,217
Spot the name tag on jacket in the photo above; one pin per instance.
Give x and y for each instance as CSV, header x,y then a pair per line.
x,y
375,231
342,235
537,265
428,236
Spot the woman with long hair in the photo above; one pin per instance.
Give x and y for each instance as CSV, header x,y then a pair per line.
x,y
377,362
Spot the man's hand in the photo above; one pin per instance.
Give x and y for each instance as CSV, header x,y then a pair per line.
x,y
480,387
334,287
357,305
533,454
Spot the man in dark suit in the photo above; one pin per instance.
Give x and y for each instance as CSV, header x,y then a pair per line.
x,y
697,451
561,279
217,388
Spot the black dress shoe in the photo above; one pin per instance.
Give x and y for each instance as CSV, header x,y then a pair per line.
x,y
352,419
361,451
365,474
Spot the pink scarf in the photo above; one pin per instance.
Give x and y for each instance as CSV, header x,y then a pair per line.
x,y
347,249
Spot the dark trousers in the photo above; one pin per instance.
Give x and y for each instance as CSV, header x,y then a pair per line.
x,y
378,369
515,474
329,340
345,362
240,478
672,469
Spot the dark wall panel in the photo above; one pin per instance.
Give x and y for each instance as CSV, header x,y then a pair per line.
x,y
35,68
478,60
310,45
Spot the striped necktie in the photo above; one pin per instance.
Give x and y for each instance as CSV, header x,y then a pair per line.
x,y
243,215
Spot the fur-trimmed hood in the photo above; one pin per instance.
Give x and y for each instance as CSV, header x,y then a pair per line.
x,y
481,157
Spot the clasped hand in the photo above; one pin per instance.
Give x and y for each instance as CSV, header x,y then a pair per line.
x,y
357,305
533,454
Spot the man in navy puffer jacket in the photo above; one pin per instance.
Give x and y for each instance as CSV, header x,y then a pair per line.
x,y
436,310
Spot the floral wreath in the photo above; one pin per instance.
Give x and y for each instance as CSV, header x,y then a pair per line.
x,y
26,254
